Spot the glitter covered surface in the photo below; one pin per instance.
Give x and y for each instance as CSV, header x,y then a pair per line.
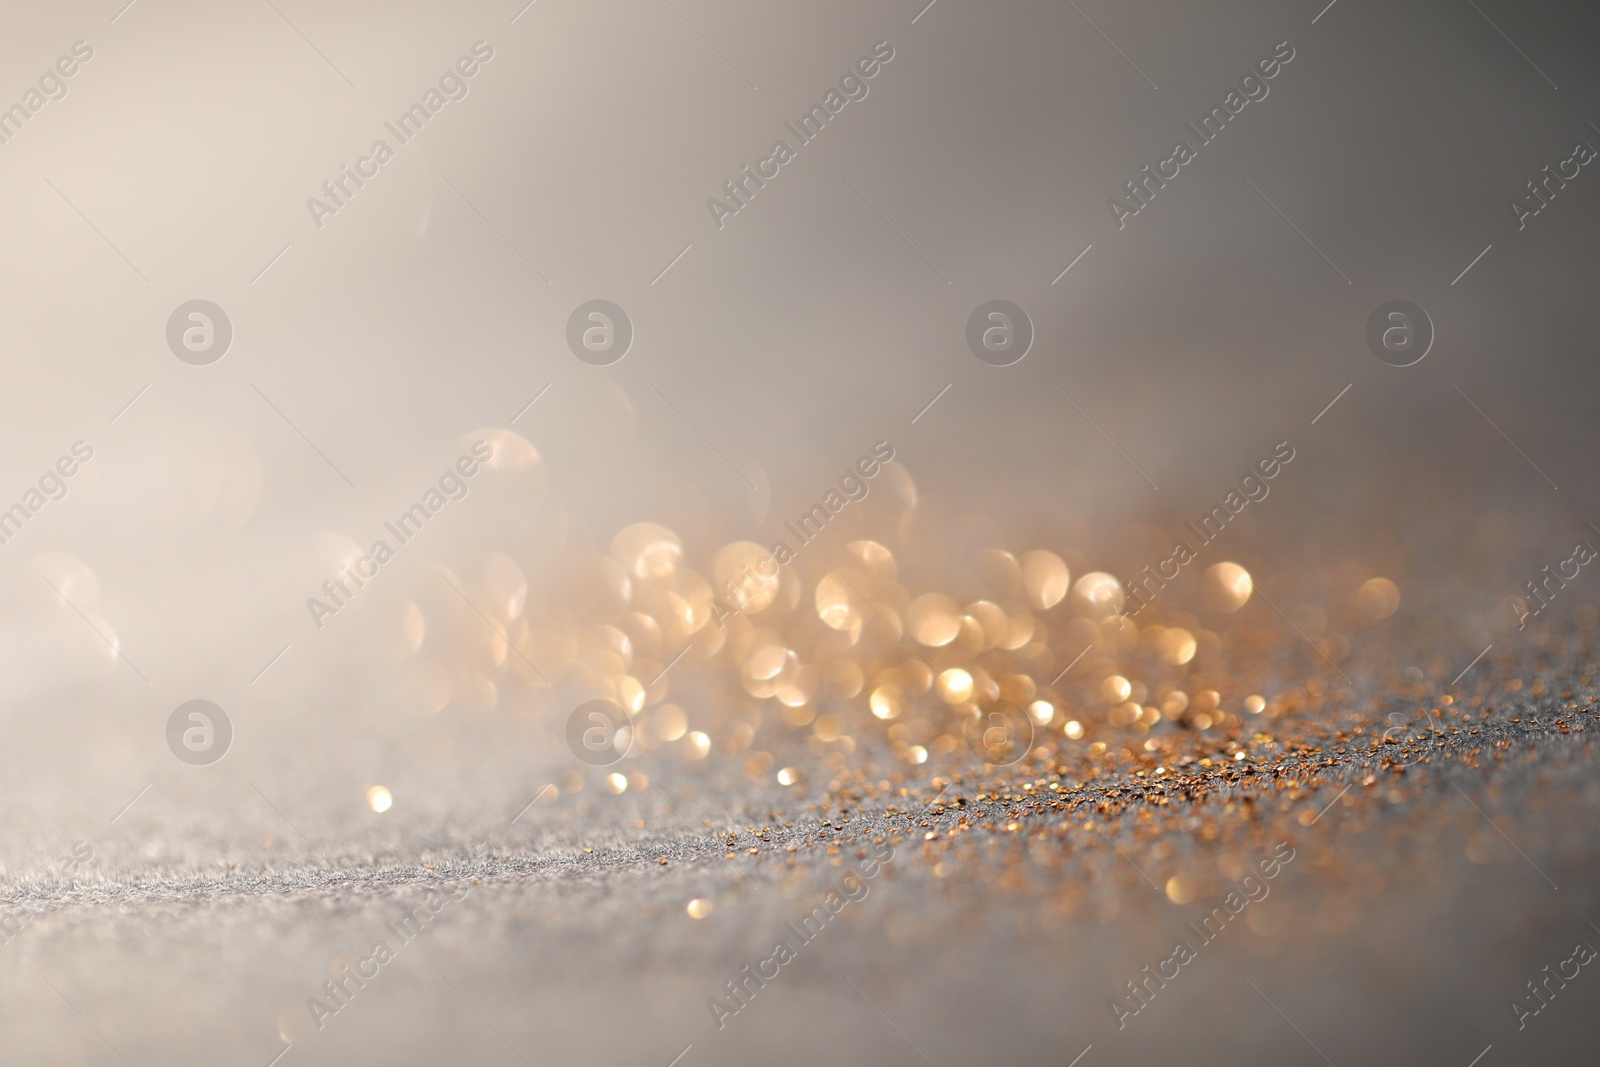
x,y
1416,818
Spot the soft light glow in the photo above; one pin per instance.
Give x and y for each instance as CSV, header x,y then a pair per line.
x,y
1115,689
1098,595
1044,579
1227,586
933,620
885,701
955,686
1378,598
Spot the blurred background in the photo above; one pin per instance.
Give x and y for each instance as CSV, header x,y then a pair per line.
x,y
369,348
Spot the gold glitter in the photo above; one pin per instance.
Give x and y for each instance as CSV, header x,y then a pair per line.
x,y
1098,595
379,799
630,693
511,451
1044,579
798,715
738,577
1378,598
885,701
504,587
843,678
955,686
991,619
876,560
664,724
1180,890
1175,646
1115,689
1018,688
916,676
647,551
835,598
1019,631
849,680
1227,586
932,620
